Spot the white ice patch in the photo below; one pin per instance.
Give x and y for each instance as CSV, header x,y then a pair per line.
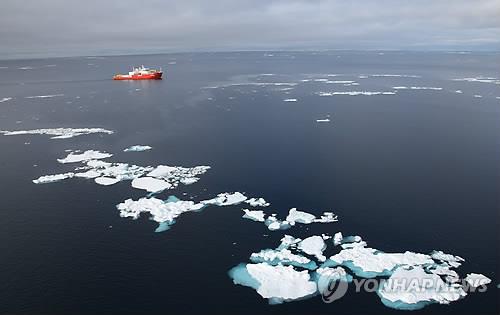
x,y
313,245
281,283
323,120
57,133
106,181
53,178
396,75
295,216
290,100
417,88
257,202
226,199
476,280
5,99
150,184
85,156
452,260
137,148
255,215
356,93
44,96
480,80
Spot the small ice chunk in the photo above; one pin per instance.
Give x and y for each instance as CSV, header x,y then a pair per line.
x,y
282,256
189,180
257,202
257,215
476,279
106,181
323,120
226,199
290,100
5,99
53,178
150,184
45,96
138,148
337,238
295,215
85,156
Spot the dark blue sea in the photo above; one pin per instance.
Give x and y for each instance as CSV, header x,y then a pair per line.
x,y
418,170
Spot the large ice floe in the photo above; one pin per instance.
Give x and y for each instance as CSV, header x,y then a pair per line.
x,y
165,212
407,281
85,156
294,216
57,133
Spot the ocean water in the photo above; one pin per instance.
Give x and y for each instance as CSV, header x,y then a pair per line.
x,y
416,170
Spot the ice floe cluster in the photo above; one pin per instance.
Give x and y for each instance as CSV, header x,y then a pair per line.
x,y
299,269
294,216
151,179
57,133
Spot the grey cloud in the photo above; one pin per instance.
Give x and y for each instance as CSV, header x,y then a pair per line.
x,y
86,27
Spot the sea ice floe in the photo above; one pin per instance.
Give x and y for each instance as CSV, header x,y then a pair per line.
x,y
150,184
323,120
106,181
411,288
85,156
137,148
480,80
165,212
5,99
290,100
476,280
478,96
257,202
276,283
45,96
356,93
151,179
417,88
414,280
396,75
452,260
57,133
255,215
53,178
226,199
313,245
294,216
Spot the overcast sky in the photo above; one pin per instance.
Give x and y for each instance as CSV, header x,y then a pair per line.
x,y
83,27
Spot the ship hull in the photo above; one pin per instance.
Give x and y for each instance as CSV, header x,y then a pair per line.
x,y
149,76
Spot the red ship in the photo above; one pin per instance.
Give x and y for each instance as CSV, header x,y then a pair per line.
x,y
140,73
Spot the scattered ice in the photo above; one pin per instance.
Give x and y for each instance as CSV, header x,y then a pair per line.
x,y
45,96
138,148
58,133
85,156
294,216
480,79
53,178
